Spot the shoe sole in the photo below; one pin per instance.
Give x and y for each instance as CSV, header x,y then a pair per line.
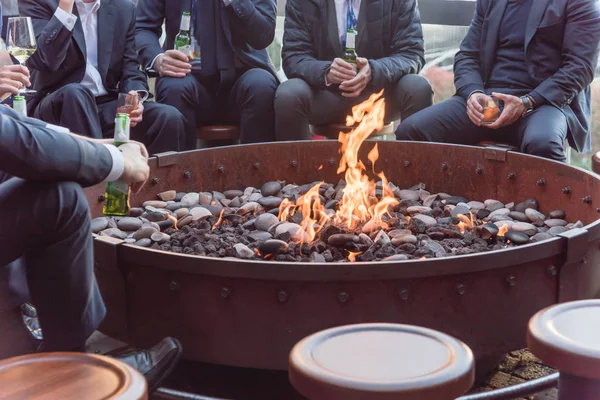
x,y
168,370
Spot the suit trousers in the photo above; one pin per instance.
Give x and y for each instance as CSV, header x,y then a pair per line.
x,y
541,133
297,105
47,225
247,103
75,107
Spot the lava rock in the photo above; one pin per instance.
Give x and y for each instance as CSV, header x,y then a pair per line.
x,y
555,222
99,224
160,237
182,212
538,237
270,202
429,221
270,188
145,242
517,237
529,203
483,213
294,230
461,209
454,200
524,227
155,204
260,236
169,195
272,246
136,212
416,225
185,221
396,257
341,239
400,240
493,205
144,232
501,211
418,210
190,200
317,258
408,195
557,214
382,238
557,230
534,215
129,224
265,221
518,216
242,251
114,233
232,194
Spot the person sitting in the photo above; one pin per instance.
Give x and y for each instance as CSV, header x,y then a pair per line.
x,y
536,58
323,88
235,82
83,62
45,220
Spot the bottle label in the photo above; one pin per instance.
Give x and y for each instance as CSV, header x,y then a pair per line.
x,y
122,128
185,23
185,49
350,40
120,187
20,107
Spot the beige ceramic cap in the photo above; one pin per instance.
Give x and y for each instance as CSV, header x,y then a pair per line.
x,y
381,361
69,376
567,337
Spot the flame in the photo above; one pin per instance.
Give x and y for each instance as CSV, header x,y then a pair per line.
x,y
352,255
423,258
314,215
174,219
320,167
503,230
218,221
286,209
466,222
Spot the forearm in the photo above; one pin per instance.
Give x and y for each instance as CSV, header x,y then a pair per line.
x,y
148,29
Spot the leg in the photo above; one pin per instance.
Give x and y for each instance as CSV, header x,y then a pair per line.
x,y
543,133
193,101
410,95
48,224
446,122
72,106
251,102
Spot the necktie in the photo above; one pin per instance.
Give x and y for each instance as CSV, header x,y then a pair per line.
x,y
351,20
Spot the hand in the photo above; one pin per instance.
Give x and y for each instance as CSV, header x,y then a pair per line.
x,y
136,168
173,63
111,141
355,86
12,78
340,71
513,110
475,108
66,5
136,115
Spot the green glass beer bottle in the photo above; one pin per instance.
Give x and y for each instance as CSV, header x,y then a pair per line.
x,y
183,40
350,53
116,201
19,105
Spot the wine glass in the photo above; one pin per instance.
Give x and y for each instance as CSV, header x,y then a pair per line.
x,y
20,41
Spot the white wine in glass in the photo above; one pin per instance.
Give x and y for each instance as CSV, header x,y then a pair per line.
x,y
20,41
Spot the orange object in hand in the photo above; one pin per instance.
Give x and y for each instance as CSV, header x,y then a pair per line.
x,y
491,112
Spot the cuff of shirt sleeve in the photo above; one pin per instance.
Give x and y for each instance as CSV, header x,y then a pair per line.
x,y
57,128
468,90
537,98
118,164
151,68
68,20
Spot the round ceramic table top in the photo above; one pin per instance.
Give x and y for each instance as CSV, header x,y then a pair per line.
x,y
69,376
567,337
383,361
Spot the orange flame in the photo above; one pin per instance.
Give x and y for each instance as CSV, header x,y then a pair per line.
x,y
286,209
352,255
320,167
466,222
218,221
503,230
423,258
313,212
174,219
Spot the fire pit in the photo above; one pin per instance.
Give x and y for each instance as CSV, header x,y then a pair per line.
x,y
250,312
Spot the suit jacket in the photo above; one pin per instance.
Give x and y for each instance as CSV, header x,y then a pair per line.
x,y
561,50
60,58
389,36
250,29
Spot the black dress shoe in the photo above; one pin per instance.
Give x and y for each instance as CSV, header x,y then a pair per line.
x,y
156,363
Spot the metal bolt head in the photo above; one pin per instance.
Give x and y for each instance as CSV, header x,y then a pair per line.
x,y
511,175
461,289
221,168
541,182
444,166
225,292
294,163
479,170
282,296
155,181
566,190
101,198
584,260
187,174
256,165
173,285
407,163
403,293
551,271
511,280
343,297
587,199
331,161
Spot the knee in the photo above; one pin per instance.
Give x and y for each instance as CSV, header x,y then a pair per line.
x,y
170,115
78,91
407,130
291,94
169,87
416,87
260,85
542,146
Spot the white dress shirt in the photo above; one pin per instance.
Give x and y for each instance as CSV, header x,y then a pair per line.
x,y
88,12
341,12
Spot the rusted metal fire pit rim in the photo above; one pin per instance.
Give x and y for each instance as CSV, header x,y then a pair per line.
x,y
256,269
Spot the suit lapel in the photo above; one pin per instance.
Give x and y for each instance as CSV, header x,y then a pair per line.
x,y
362,25
106,34
78,33
491,38
332,28
535,18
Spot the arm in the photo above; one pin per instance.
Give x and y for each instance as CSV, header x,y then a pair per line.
x,y
256,18
467,69
148,29
132,77
298,55
580,55
52,36
408,54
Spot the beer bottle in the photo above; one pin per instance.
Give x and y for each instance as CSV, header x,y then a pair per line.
x,y
20,105
350,53
183,40
116,201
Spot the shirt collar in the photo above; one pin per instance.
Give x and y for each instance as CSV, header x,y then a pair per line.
x,y
82,5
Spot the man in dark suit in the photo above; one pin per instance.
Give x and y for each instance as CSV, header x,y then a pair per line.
x,y
537,57
235,81
45,221
323,88
85,57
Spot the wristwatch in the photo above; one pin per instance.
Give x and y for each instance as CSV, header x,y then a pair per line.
x,y
529,104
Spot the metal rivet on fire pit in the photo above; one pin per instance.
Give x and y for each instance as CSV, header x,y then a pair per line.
x,y
587,199
187,174
221,169
155,181
511,176
461,289
343,297
225,292
403,294
173,285
101,198
541,182
479,170
444,166
566,190
256,165
511,280
294,163
282,296
551,271
331,161
407,163
584,260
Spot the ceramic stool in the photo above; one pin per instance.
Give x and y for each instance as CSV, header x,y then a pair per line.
x,y
381,361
